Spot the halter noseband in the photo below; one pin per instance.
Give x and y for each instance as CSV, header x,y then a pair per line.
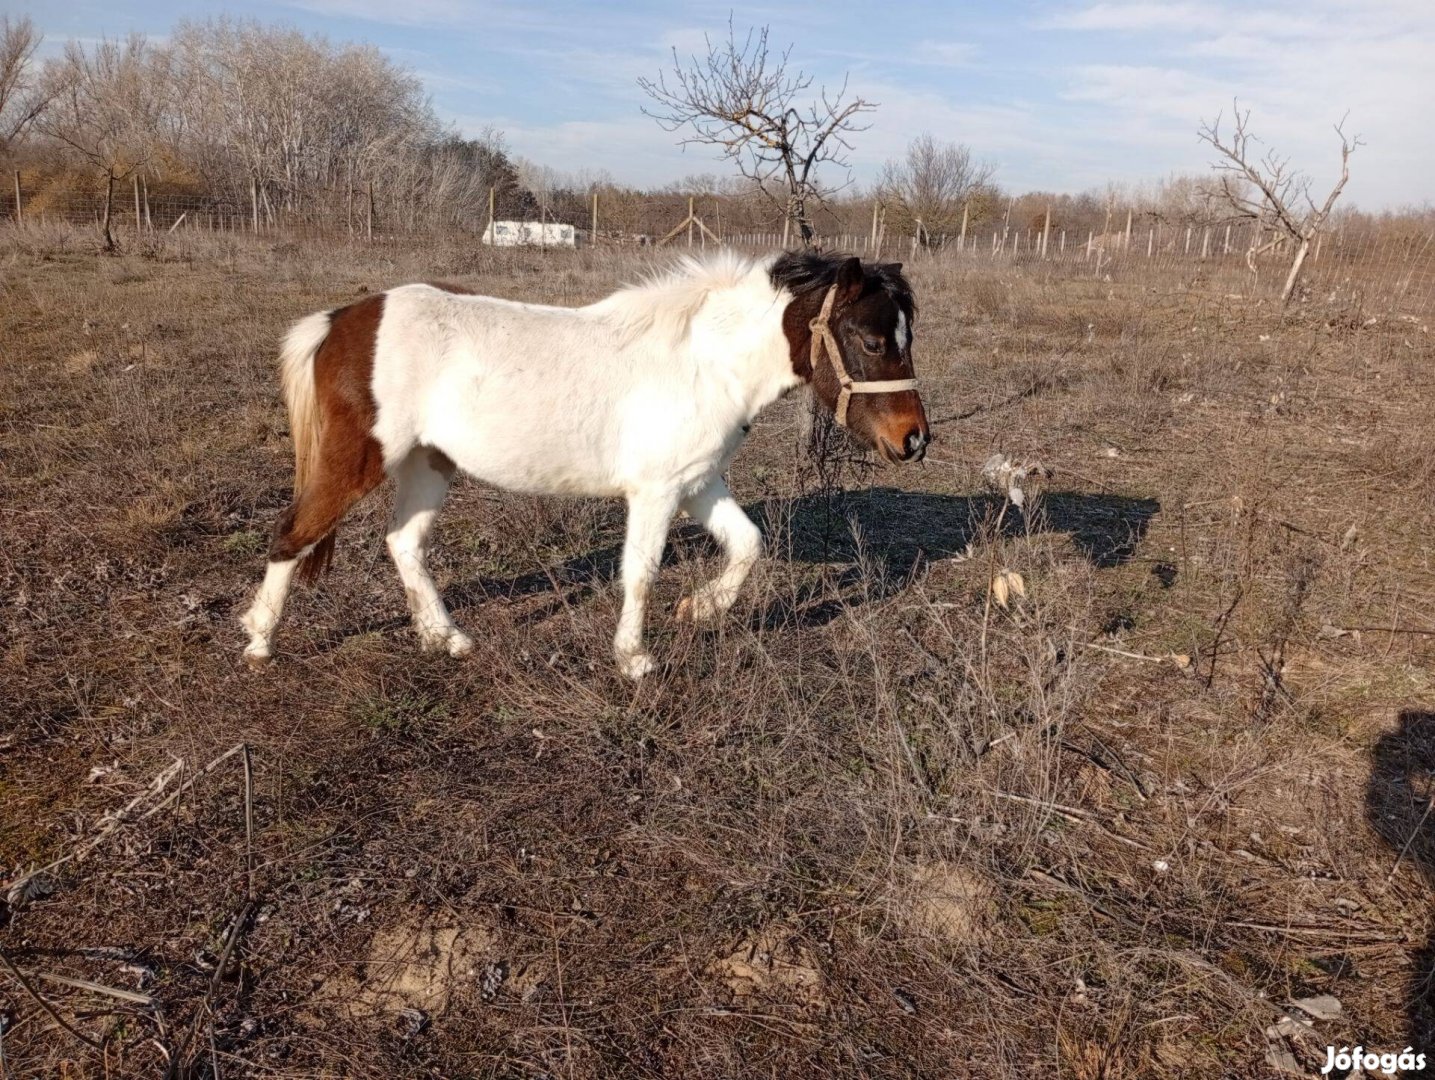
x,y
822,336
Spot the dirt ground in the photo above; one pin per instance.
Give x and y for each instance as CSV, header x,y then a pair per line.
x,y
879,824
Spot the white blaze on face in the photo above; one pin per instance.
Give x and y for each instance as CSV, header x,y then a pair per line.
x,y
904,332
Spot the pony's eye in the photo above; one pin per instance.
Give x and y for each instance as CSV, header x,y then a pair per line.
x,y
872,345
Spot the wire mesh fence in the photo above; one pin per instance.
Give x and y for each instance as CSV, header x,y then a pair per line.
x,y
1387,268
1374,269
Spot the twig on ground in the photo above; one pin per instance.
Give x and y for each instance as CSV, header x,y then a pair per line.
x,y
98,988
107,826
1220,630
1429,805
40,1000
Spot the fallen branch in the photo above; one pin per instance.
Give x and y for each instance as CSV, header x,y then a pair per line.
x,y
40,1000
98,988
16,892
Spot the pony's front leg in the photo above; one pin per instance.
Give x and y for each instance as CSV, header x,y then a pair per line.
x,y
648,516
421,481
740,541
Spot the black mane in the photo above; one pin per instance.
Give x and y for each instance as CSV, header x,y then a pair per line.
x,y
802,272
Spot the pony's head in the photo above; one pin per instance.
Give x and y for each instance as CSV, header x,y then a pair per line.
x,y
849,329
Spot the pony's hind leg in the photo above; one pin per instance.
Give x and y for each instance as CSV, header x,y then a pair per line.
x,y
421,481
263,615
303,542
741,544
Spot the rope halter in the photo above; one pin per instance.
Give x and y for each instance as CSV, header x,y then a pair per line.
x,y
822,336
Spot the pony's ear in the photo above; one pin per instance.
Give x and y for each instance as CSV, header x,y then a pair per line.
x,y
894,268
849,280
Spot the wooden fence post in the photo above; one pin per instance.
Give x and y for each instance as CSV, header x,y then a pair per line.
x,y
144,190
1126,244
369,221
139,222
254,201
1046,230
593,232
1188,241
1205,242
19,219
1150,241
1226,247
875,204
962,239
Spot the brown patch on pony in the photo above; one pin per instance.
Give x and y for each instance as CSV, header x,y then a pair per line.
x,y
450,287
350,460
797,328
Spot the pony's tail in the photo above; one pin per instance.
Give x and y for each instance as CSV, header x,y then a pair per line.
x,y
296,376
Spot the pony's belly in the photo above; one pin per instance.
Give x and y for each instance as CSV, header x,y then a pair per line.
x,y
533,469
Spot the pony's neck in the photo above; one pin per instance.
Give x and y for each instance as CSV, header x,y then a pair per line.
x,y
742,347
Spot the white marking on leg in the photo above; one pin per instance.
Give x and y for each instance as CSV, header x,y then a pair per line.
x,y
648,518
263,615
740,541
419,491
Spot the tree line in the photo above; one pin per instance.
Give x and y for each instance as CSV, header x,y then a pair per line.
x,y
282,124
251,115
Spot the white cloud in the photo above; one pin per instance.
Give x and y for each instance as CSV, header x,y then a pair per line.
x,y
1131,17
1298,69
945,53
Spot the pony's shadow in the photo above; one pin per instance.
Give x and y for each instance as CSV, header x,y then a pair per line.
x,y
1398,799
875,539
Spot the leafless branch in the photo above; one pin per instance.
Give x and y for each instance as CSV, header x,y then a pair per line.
x,y
1264,188
927,190
22,100
747,102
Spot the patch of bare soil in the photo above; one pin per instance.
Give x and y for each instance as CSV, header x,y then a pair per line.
x,y
417,961
771,963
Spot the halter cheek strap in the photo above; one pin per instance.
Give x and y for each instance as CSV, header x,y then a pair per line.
x,y
823,338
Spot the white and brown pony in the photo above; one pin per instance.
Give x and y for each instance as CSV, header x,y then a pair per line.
x,y
645,395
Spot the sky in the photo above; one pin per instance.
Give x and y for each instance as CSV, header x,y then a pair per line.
x,y
1061,96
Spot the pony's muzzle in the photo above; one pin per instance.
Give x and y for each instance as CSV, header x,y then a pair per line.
x,y
914,447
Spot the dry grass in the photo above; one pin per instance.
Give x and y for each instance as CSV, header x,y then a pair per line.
x,y
876,825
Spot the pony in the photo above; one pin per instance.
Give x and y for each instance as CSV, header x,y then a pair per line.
x,y
645,395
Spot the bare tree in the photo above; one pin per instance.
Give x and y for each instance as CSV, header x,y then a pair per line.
x,y
925,192
103,111
1267,190
746,102
21,99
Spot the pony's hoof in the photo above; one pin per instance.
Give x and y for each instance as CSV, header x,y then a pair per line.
x,y
447,639
636,666
258,657
698,609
